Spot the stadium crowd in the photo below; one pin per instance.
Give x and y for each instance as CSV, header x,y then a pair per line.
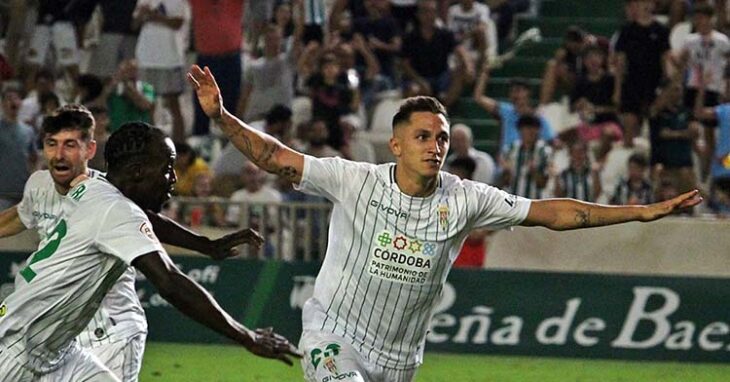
x,y
629,118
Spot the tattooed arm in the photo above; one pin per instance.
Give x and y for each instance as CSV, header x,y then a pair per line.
x,y
262,149
565,214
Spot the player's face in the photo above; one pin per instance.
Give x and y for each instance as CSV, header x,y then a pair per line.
x,y
159,178
67,155
421,144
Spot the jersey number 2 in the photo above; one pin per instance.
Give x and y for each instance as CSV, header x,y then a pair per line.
x,y
58,233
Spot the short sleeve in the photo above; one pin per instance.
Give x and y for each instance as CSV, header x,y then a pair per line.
x,y
497,209
326,177
126,232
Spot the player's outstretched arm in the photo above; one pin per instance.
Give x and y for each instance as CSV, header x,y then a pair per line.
x,y
170,232
10,223
565,214
196,303
262,149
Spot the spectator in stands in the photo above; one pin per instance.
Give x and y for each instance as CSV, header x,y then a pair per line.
x,y
705,53
317,138
383,37
580,180
204,212
462,146
283,17
355,147
503,12
160,56
89,90
49,103
128,98
188,166
595,97
17,150
636,188
673,136
719,201
473,252
641,49
30,107
425,58
509,112
101,135
269,79
471,25
53,29
331,95
614,167
362,77
562,71
117,40
218,36
526,164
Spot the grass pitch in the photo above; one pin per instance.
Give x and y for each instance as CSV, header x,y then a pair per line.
x,y
164,362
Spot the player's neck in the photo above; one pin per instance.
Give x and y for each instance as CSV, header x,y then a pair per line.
x,y
413,184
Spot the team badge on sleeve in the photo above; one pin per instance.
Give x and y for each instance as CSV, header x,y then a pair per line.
x,y
147,231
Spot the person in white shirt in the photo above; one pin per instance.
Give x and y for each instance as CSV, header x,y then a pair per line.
x,y
394,232
88,242
462,145
471,24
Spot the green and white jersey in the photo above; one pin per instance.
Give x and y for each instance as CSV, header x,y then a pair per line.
x,y
389,253
98,233
121,315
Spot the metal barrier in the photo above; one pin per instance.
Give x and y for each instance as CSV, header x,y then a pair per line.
x,y
291,230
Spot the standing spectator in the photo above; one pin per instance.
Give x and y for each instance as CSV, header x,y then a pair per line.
x,y
526,164
580,180
188,166
355,147
462,146
641,48
53,29
614,167
636,188
383,36
566,66
17,152
159,56
471,25
128,98
705,53
30,107
89,89
117,40
405,12
504,12
425,55
673,135
218,37
269,79
510,112
317,146
595,97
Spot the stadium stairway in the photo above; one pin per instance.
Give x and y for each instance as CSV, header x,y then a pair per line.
x,y
554,17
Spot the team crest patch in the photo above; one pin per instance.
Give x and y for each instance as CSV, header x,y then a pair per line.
x,y
147,231
326,357
443,212
3,310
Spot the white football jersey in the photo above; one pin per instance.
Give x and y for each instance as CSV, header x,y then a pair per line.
x,y
97,234
389,253
121,315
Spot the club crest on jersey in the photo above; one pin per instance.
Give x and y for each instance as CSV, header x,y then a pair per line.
x,y
328,355
443,212
147,231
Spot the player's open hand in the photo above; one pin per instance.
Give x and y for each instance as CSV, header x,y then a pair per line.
x,y
209,94
266,343
658,210
225,247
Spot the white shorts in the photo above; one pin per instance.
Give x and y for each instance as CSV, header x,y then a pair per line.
x,y
331,358
123,358
78,365
63,38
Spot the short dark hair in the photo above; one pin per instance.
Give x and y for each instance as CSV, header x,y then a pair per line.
x,y
132,143
46,97
93,85
519,82
416,104
278,113
574,33
639,160
466,163
703,9
69,117
528,120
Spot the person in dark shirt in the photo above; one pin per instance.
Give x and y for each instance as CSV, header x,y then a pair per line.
x,y
641,49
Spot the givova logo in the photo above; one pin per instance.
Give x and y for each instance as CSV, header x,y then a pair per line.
x,y
387,240
327,355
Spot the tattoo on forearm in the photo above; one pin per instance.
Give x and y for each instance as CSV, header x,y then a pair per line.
x,y
267,153
583,217
288,172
